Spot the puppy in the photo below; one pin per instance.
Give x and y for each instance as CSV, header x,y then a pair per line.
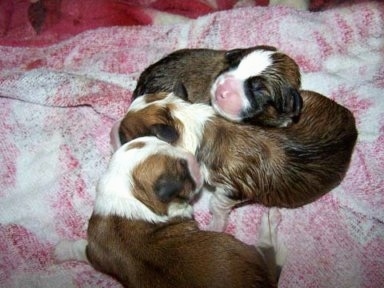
x,y
142,233
287,167
258,84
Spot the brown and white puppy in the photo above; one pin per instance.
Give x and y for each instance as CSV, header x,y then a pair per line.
x,y
287,167
258,84
142,233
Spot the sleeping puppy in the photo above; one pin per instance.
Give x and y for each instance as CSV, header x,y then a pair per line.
x,y
142,233
258,84
287,167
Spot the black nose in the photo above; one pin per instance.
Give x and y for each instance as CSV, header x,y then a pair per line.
x,y
123,139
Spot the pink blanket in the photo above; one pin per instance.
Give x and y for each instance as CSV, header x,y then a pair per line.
x,y
59,102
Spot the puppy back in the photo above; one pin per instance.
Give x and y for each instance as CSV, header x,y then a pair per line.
x,y
195,68
174,254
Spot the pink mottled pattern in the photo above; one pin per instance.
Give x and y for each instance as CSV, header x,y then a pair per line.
x,y
58,104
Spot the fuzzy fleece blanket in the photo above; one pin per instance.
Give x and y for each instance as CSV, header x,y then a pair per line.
x,y
58,104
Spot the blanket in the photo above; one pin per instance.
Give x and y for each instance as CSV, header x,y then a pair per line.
x,y
59,102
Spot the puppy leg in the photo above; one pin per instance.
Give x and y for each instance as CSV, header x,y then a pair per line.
x,y
220,206
269,244
67,250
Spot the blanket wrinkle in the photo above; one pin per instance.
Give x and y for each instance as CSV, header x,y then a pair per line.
x,y
59,101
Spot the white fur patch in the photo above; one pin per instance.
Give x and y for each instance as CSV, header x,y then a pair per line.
x,y
139,103
193,117
114,191
253,64
183,210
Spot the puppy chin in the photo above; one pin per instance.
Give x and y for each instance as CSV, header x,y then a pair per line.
x,y
223,113
114,136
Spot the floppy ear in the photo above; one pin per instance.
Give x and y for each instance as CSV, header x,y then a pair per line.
x,y
165,132
180,91
294,101
286,99
234,56
167,188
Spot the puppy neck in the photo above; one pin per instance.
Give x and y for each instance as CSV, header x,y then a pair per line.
x,y
194,118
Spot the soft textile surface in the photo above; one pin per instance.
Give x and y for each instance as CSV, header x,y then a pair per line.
x,y
58,104
53,20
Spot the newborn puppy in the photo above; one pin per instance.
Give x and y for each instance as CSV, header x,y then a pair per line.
x,y
142,233
258,84
287,167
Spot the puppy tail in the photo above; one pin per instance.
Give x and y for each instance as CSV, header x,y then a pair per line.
x,y
67,250
274,251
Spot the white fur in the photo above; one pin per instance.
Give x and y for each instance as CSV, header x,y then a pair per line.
x,y
193,122
183,210
268,236
186,113
251,65
114,191
220,205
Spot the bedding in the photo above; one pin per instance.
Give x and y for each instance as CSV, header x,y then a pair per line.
x,y
61,93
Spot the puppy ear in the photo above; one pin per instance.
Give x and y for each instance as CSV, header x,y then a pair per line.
x,y
289,102
165,132
294,101
234,56
167,188
180,91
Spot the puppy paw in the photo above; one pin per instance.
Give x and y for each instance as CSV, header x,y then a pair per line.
x,y
281,251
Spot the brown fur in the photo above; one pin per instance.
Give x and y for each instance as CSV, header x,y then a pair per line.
x,y
174,254
162,170
287,167
197,69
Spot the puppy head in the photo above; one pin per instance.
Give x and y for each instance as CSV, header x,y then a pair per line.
x,y
149,179
148,115
261,82
165,116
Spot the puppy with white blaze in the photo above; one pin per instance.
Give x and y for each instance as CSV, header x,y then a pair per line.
x,y
142,231
287,167
258,84
246,163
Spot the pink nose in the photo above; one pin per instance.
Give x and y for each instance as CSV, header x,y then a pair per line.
x,y
228,100
114,136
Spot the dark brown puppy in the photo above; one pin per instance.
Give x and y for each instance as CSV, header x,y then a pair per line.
x,y
287,167
257,84
142,232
